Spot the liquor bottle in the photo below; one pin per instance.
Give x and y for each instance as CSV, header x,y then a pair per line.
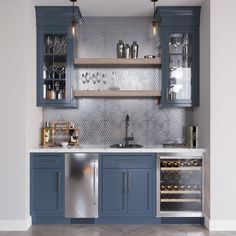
x,y
48,94
134,50
127,51
120,49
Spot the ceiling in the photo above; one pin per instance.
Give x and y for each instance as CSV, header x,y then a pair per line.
x,y
118,7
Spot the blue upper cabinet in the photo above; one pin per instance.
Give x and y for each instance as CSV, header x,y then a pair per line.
x,y
55,66
179,28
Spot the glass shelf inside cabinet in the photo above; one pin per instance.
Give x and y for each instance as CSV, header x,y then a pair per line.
x,y
180,67
54,66
180,185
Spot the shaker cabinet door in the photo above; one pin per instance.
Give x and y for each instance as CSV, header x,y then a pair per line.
x,y
114,196
46,192
140,192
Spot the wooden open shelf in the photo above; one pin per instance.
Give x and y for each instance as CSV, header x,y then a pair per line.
x,y
117,93
117,62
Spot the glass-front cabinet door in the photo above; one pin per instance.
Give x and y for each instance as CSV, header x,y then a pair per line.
x,y
179,31
55,67
56,75
181,186
180,67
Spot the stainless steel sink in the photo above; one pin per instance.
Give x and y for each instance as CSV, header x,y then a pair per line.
x,y
121,145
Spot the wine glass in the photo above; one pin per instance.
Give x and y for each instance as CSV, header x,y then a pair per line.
x,y
99,77
87,76
63,44
83,79
57,44
178,41
104,78
49,44
94,79
62,72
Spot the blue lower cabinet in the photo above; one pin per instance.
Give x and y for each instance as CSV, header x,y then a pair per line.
x,y
114,197
47,188
140,192
127,192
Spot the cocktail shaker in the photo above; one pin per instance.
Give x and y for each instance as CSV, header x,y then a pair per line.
x,y
127,51
120,49
134,50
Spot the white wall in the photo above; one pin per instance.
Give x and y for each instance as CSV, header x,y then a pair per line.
x,y
20,119
223,113
202,113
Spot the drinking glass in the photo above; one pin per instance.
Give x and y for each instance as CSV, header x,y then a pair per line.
x,y
57,44
87,75
94,79
104,78
83,79
99,77
49,44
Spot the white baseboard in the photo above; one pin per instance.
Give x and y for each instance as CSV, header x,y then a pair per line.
x,y
206,221
219,225
222,225
15,225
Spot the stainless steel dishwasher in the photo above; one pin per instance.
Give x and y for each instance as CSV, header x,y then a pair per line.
x,y
81,185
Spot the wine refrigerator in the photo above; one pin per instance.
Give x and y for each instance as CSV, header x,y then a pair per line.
x,y
180,181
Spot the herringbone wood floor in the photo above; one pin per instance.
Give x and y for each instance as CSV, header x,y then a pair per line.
x,y
117,230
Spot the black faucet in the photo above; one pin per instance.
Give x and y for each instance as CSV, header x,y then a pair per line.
x,y
127,139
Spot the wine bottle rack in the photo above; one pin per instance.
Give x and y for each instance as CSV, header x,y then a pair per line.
x,y
180,184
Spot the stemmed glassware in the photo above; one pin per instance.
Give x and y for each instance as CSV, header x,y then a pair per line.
x,y
83,79
96,78
87,76
104,78
49,43
99,77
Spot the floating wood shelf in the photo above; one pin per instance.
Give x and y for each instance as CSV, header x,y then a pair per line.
x,y
181,192
180,168
180,200
117,93
117,62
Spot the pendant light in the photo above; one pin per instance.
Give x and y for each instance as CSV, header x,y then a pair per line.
x,y
154,21
74,23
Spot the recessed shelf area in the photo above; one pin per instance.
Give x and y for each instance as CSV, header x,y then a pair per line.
x,y
117,62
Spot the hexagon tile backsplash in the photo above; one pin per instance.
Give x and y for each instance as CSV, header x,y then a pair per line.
x,y
102,121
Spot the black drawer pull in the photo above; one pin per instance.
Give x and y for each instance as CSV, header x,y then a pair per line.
x,y
48,161
125,160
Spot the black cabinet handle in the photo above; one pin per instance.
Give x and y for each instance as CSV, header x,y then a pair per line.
x,y
125,160
128,182
47,161
125,182
59,182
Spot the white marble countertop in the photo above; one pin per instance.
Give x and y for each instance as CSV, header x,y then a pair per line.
x,y
106,149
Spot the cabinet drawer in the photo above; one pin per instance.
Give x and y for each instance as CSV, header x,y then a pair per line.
x,y
47,160
128,161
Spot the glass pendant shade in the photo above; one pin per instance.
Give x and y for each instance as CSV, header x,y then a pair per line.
x,y
154,28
